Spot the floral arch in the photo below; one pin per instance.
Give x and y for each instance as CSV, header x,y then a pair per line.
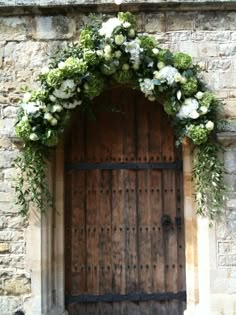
x,y
114,52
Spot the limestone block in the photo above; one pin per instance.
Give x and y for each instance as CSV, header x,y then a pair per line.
x,y
9,112
15,222
9,304
13,28
219,64
10,235
179,36
6,157
230,161
227,49
53,27
229,109
179,21
16,286
17,247
213,21
154,23
219,36
4,248
5,143
13,261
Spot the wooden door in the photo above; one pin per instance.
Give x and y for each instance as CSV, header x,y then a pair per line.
x,y
124,234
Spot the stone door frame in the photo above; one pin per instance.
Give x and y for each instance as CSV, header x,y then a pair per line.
x,y
47,260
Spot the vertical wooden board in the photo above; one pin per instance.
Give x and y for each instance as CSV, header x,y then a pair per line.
x,y
130,227
168,141
155,131
92,309
129,127
78,309
145,231
145,308
118,233
157,241
170,233
116,308
68,231
105,217
92,230
159,308
78,259
130,308
180,232
104,309
143,111
77,138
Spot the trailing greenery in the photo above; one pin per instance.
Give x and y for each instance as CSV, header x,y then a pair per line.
x,y
107,53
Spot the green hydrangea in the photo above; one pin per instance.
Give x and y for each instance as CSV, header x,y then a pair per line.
x,y
74,66
94,86
182,61
90,57
123,76
50,139
23,128
170,107
127,17
54,77
86,39
190,87
207,100
198,134
147,42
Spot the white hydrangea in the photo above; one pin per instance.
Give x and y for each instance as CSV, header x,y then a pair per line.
x,y
33,137
72,105
168,73
109,26
147,87
126,24
199,95
189,109
66,90
133,47
31,107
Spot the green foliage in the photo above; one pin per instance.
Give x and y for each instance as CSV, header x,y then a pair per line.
x,y
79,72
208,180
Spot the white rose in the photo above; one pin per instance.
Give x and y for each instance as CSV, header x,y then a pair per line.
x,y
52,98
48,116
178,77
160,65
203,109
61,65
209,125
125,67
53,122
27,97
199,95
126,24
183,80
118,54
107,49
25,118
155,51
131,33
57,108
33,137
119,39
157,75
99,52
151,98
136,66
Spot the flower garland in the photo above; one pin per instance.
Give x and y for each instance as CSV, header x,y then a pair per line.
x,y
110,52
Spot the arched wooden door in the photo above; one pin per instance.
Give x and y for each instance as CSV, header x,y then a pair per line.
x,y
124,233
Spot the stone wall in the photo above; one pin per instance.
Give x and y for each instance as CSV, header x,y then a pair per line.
x,y
26,40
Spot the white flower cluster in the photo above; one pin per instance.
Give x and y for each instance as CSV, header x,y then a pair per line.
x,y
147,87
66,90
168,74
109,26
133,47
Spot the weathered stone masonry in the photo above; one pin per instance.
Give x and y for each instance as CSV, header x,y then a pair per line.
x,y
28,35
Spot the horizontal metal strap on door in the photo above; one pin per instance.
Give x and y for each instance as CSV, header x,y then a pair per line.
x,y
178,165
131,297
